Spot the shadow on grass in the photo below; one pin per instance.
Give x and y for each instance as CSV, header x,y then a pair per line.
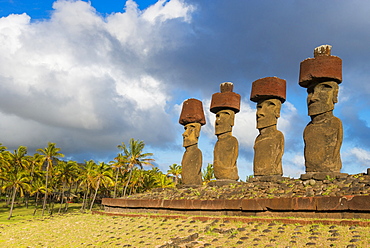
x,y
20,212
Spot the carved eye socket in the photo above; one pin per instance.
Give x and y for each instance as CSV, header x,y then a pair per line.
x,y
271,104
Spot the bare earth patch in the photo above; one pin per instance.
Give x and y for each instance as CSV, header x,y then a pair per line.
x,y
86,230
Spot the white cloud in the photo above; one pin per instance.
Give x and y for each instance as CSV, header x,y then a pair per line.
x,y
361,155
80,79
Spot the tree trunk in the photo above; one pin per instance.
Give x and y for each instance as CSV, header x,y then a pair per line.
x,y
12,204
115,184
69,193
128,181
85,198
61,202
96,192
37,198
46,190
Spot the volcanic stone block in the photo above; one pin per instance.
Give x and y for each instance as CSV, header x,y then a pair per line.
x,y
269,93
331,203
192,117
323,135
267,88
192,112
225,105
227,99
323,67
191,162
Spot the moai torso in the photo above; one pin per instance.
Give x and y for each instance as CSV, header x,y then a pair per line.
x,y
322,145
269,93
322,136
191,166
225,156
192,117
268,153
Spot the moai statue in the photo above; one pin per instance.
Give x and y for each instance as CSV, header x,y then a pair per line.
x,y
225,154
192,118
269,93
324,133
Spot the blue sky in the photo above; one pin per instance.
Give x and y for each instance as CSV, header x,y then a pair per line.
x,y
90,75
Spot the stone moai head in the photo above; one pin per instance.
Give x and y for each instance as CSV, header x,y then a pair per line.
x,y
191,134
225,105
192,118
269,93
224,121
321,76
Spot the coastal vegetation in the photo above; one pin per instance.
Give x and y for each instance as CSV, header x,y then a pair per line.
x,y
44,180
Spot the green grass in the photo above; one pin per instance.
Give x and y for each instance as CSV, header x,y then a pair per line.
x,y
86,230
21,213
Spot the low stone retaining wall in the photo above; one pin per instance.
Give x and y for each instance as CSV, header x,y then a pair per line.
x,y
346,207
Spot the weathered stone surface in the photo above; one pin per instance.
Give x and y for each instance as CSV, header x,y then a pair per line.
x,y
192,166
222,182
273,178
359,203
225,105
343,203
192,159
226,99
323,67
269,145
323,135
322,176
253,205
225,156
322,145
268,153
192,112
267,88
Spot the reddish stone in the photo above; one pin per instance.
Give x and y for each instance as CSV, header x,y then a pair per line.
x,y
359,203
212,204
279,204
226,99
226,87
253,204
320,69
331,203
304,203
192,111
267,88
233,204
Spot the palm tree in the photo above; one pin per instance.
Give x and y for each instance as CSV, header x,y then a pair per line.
x,y
86,179
208,174
121,162
175,170
16,177
48,153
38,187
135,157
103,176
66,172
164,182
18,182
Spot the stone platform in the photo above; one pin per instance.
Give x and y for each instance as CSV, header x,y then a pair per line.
x,y
339,196
344,207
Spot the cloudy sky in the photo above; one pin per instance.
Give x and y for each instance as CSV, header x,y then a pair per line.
x,y
89,75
